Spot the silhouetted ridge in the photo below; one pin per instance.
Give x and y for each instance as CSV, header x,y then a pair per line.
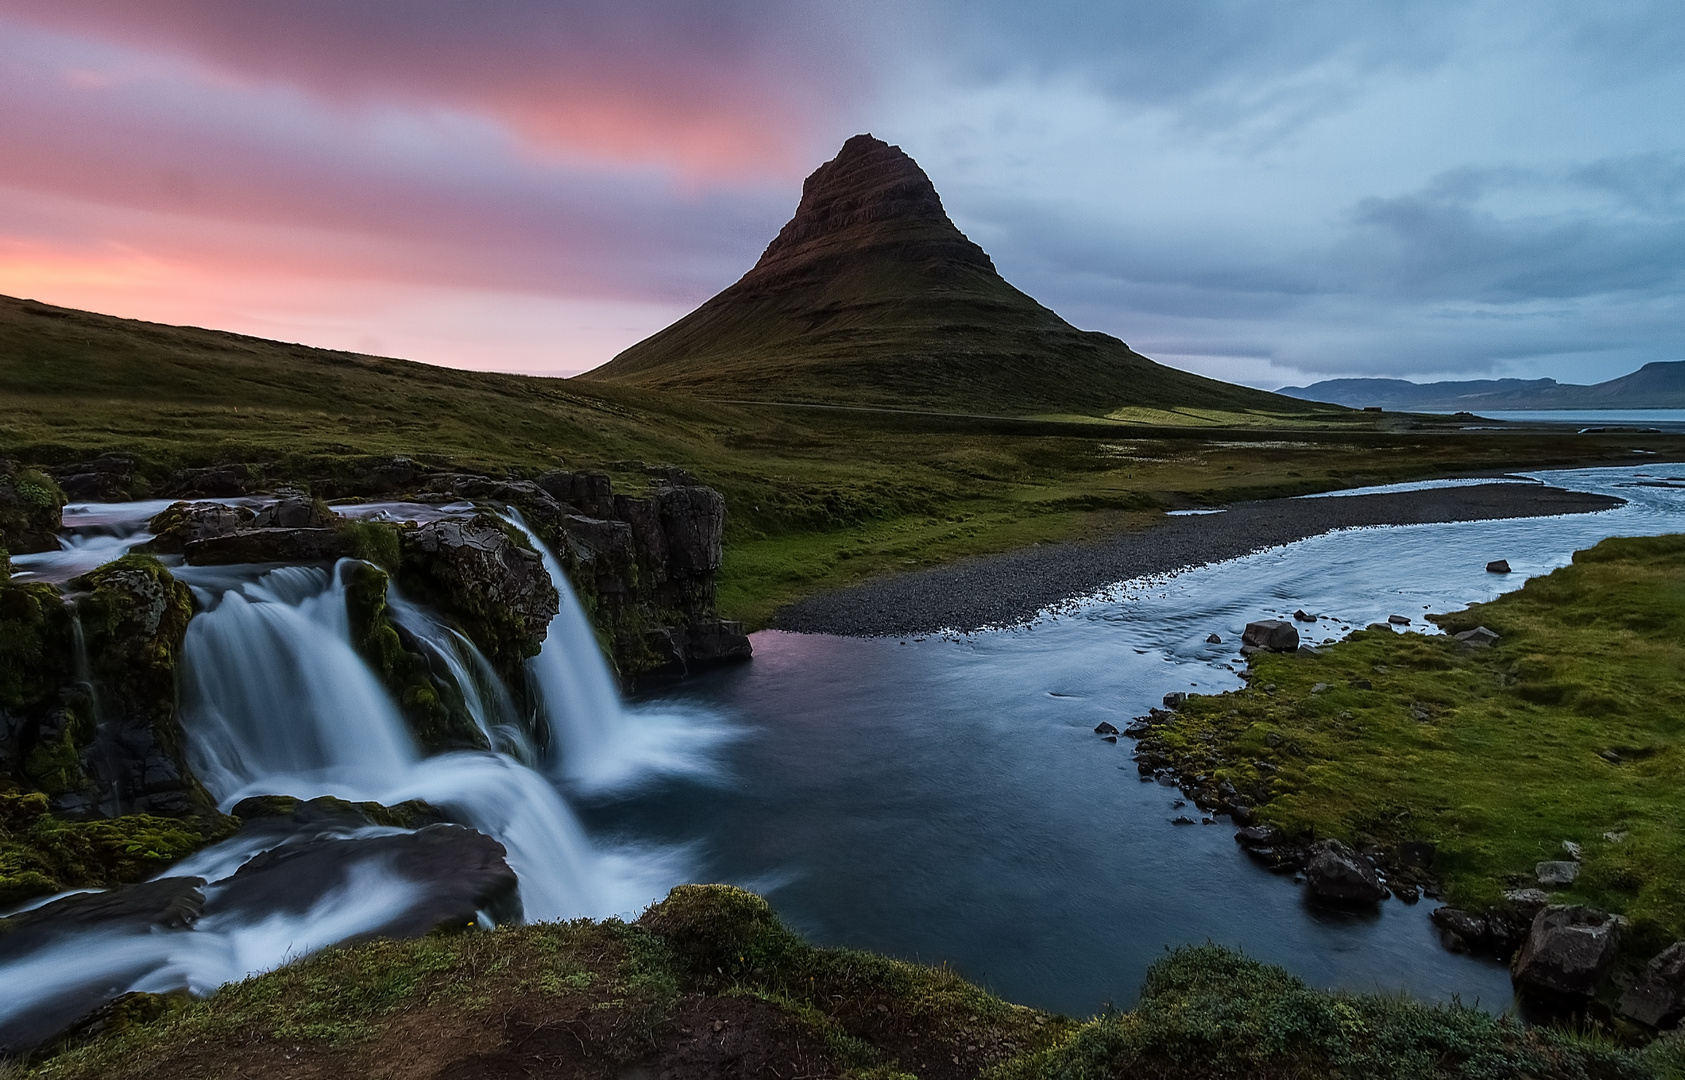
x,y
870,295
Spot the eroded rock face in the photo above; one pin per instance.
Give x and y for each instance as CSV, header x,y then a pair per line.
x,y
213,482
1276,635
107,478
1339,874
693,519
1657,997
483,576
1569,950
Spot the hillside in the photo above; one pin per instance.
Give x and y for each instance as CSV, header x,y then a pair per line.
x,y
870,295
1659,385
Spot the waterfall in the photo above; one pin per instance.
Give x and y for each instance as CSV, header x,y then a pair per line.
x,y
276,701
484,695
596,745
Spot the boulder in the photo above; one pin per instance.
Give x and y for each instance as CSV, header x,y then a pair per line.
x,y
31,508
1213,639
1479,637
1175,699
215,482
107,478
1557,874
293,511
1274,635
1498,566
1527,902
1460,931
268,545
181,523
1379,626
1398,620
1339,874
1569,950
1657,996
1303,616
1258,836
1105,727
484,577
713,641
693,520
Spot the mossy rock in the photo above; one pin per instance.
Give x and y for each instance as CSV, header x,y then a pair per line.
x,y
35,644
31,509
134,618
432,705
411,814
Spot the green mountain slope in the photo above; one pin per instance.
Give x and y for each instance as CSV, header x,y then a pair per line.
x,y
871,296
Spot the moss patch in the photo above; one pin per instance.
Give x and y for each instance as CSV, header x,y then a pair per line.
x,y
1568,728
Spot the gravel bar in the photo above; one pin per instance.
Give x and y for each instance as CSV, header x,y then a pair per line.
x,y
1012,587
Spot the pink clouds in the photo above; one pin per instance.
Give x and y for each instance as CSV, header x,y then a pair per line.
x,y
601,170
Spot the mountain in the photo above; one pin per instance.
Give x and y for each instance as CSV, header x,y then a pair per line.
x,y
870,295
1659,385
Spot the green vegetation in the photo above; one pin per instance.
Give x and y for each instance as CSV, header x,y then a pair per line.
x,y
708,983
41,854
1569,727
816,497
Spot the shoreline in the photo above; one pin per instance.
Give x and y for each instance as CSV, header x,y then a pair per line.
x,y
1013,587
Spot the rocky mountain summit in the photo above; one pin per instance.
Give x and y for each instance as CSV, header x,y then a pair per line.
x,y
871,295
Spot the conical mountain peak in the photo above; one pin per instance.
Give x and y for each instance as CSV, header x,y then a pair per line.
x,y
870,295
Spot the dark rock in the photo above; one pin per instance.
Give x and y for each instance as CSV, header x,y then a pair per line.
x,y
31,507
1527,902
179,524
1462,931
1569,950
1406,892
1498,566
1258,836
693,519
107,478
1379,626
215,482
1362,684
1274,635
484,577
293,511
1339,874
1303,616
1557,874
1213,639
1109,738
1183,819
462,872
643,515
1241,813
1398,620
716,641
1175,699
1657,996
327,811
1479,637
1105,727
591,494
603,546
268,545
1506,930
1416,854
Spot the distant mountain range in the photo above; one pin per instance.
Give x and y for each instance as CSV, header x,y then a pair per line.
x,y
1660,385
871,296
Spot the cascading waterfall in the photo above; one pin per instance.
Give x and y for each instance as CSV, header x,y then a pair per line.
x,y
596,745
484,695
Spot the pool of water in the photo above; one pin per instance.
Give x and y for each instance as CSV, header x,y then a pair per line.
x,y
944,798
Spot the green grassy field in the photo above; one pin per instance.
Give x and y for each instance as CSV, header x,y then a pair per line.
x,y
816,497
708,983
1569,728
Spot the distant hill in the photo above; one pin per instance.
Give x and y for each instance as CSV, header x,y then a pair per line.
x,y
870,295
1660,385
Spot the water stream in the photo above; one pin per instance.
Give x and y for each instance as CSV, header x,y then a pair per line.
x,y
941,798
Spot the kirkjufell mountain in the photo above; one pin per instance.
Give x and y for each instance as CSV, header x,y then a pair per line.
x,y
871,296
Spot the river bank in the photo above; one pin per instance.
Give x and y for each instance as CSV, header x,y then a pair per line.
x,y
1010,588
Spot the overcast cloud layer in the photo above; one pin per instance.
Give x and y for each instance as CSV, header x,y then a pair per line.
x,y
1265,191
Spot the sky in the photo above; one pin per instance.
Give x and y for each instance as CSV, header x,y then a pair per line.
x,y
1269,192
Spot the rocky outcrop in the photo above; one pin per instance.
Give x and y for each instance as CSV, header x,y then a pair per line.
x,y
1657,996
269,546
183,523
1570,950
1338,874
1274,635
31,505
107,478
482,575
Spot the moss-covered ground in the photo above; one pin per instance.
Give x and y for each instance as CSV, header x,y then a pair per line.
x,y
1568,728
816,497
708,983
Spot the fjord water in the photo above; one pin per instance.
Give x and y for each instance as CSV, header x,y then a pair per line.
x,y
945,798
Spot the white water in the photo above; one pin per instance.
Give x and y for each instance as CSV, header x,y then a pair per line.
x,y
598,747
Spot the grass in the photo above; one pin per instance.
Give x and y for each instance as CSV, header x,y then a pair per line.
x,y
816,498
711,965
1569,727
